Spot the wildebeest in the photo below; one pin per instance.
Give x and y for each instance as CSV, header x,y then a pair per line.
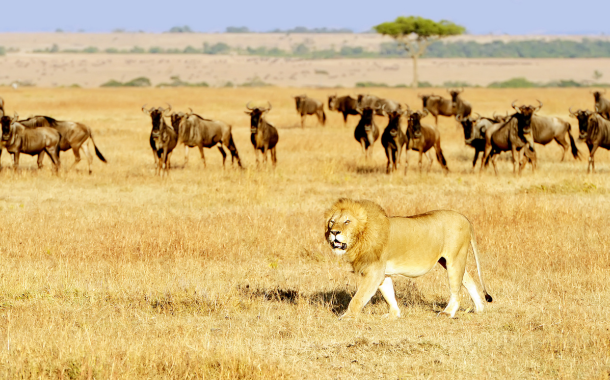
x,y
474,133
263,134
344,104
196,131
74,136
547,129
163,138
381,106
366,132
461,107
421,138
17,139
594,130
437,105
309,106
393,139
514,135
602,105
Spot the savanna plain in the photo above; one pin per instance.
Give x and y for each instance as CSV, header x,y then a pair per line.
x,y
224,273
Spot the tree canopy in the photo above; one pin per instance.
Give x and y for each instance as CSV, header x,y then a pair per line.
x,y
419,26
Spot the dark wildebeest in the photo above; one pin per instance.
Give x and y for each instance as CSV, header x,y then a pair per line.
x,y
344,104
393,139
474,133
74,136
547,129
196,131
263,135
366,132
461,107
602,105
514,135
309,106
421,138
594,130
17,139
163,138
437,105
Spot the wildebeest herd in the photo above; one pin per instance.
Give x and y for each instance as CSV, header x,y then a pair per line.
x,y
516,133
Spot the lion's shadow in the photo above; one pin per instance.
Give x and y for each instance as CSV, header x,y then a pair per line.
x,y
337,300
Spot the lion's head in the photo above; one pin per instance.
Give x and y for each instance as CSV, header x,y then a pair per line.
x,y
359,229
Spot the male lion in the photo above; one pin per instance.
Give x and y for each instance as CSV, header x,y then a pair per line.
x,y
379,246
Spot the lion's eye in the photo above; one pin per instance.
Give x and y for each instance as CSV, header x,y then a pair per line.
x,y
347,221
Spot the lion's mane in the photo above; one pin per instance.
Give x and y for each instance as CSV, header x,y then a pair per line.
x,y
371,229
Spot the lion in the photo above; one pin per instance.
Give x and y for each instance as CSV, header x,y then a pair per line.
x,y
379,246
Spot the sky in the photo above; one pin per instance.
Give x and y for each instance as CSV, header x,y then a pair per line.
x,y
479,17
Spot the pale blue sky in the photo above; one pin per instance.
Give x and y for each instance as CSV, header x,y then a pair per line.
x,y
478,16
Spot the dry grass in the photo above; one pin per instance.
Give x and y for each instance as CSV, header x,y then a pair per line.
x,y
225,274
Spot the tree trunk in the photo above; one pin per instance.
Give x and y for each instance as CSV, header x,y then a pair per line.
x,y
415,81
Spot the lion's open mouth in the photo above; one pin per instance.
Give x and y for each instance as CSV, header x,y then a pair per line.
x,y
338,245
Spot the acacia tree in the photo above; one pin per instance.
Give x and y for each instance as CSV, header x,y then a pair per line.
x,y
415,33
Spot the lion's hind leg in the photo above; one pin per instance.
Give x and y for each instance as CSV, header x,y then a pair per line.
x,y
471,286
455,273
387,290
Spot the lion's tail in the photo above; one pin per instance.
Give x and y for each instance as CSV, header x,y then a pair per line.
x,y
475,251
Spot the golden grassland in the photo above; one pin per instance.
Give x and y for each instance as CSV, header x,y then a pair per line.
x,y
224,274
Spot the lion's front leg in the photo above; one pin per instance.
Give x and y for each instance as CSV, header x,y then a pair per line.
x,y
387,290
373,279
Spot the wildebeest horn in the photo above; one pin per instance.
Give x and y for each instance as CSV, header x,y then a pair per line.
x,y
268,108
513,105
248,106
479,115
169,107
572,113
494,115
540,105
145,110
425,112
190,109
15,117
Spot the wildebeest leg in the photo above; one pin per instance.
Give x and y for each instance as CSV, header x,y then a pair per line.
x,y
155,157
273,156
592,151
429,159
363,145
202,155
406,160
303,116
256,155
76,152
493,162
54,156
85,147
224,155
186,154
388,155
476,156
421,153
344,119
265,149
40,159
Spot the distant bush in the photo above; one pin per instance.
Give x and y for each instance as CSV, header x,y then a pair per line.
x,y
136,82
2,51
237,29
371,84
218,48
457,84
255,82
519,82
177,82
181,29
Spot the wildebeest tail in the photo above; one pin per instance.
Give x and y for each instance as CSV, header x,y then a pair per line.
x,y
575,151
233,150
323,117
97,151
441,158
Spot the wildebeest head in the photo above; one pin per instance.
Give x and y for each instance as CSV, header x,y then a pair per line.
x,y
598,95
394,120
454,94
415,121
500,118
424,99
299,100
583,121
6,122
468,124
332,102
177,118
256,115
524,115
156,115
367,117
